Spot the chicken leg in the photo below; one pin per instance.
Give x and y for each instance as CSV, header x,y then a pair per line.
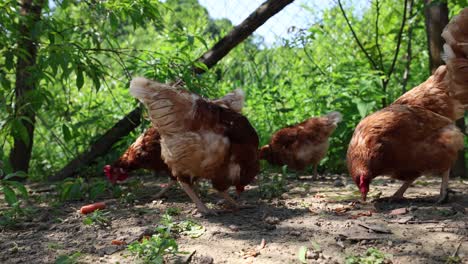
x,y
444,187
225,195
315,172
165,189
200,205
398,195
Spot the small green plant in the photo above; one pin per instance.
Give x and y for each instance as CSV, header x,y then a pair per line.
x,y
154,248
8,187
68,259
72,189
173,211
372,256
97,217
162,243
453,260
273,186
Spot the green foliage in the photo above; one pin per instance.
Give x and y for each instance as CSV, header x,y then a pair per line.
x,y
154,248
97,217
72,189
371,256
272,185
68,259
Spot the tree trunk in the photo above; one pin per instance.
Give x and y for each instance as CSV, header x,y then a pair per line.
x,y
30,11
436,14
210,58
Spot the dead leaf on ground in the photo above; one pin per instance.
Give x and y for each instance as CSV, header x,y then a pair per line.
x,y
118,242
360,214
376,228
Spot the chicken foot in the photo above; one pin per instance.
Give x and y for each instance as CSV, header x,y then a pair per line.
x,y
225,195
444,187
201,207
165,189
398,195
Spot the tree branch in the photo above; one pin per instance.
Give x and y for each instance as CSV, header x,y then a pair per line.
x,y
397,50
374,65
406,74
377,16
240,32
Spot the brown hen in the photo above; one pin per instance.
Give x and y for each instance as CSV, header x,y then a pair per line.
x,y
200,139
416,135
300,145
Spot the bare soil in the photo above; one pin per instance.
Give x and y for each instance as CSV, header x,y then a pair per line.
x,y
323,212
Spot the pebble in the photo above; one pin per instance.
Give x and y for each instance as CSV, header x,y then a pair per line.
x,y
272,220
338,183
234,228
312,255
295,233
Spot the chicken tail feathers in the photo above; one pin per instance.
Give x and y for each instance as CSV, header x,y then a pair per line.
x,y
166,105
456,37
335,117
233,100
456,56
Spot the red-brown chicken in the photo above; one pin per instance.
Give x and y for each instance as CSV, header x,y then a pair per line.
x,y
302,144
416,134
200,139
144,153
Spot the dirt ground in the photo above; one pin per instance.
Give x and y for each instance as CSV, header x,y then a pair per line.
x,y
321,215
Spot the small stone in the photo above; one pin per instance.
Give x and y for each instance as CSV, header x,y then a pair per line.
x,y
285,196
295,233
390,243
234,228
338,183
272,220
312,255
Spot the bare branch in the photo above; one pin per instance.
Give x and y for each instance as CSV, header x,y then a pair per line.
x,y
397,50
377,16
406,74
374,65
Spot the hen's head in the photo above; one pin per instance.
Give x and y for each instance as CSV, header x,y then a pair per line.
x,y
115,174
362,183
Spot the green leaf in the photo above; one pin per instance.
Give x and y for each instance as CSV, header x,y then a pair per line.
x,y
87,221
20,187
9,60
79,78
301,255
66,133
10,195
20,174
19,131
